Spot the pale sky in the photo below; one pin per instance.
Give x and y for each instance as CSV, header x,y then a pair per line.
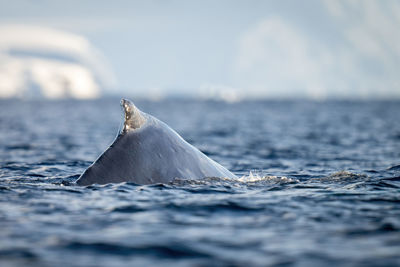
x,y
234,49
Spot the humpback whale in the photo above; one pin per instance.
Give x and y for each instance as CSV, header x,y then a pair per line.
x,y
148,151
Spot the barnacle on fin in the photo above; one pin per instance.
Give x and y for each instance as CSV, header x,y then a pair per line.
x,y
133,117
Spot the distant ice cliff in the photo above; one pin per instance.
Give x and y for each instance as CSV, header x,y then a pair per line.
x,y
42,62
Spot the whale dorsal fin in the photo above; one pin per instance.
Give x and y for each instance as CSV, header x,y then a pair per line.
x,y
133,117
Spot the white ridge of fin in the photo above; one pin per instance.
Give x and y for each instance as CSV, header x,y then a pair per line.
x,y
133,117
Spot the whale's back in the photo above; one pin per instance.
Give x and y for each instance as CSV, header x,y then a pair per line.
x,y
151,153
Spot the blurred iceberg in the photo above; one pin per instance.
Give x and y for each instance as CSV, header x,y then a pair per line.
x,y
220,92
43,62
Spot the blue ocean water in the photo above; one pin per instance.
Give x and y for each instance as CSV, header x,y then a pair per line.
x,y
319,185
